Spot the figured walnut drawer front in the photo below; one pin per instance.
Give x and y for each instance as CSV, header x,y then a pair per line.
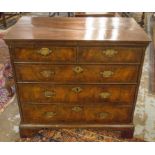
x,y
109,55
75,113
42,93
76,73
51,54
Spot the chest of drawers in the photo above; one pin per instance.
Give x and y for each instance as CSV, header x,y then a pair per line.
x,y
77,72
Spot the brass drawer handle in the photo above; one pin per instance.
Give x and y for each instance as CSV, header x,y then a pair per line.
x,y
106,74
105,95
44,51
109,52
77,109
77,89
102,115
50,114
47,73
49,94
78,69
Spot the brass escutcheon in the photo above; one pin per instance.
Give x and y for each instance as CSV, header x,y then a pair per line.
x,y
77,89
49,94
109,52
77,109
105,95
106,74
102,115
50,114
47,73
44,51
78,69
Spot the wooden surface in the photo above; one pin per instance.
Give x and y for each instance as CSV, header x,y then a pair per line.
x,y
65,113
77,29
58,55
95,14
36,93
84,54
77,72
55,73
97,55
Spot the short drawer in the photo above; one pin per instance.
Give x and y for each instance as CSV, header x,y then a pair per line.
x,y
50,54
109,55
77,73
105,94
75,113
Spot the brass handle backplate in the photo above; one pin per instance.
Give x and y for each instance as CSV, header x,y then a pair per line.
x,y
49,94
77,89
105,95
47,73
77,109
44,51
50,114
78,69
109,52
106,74
102,115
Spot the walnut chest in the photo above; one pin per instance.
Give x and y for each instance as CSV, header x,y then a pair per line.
x,y
77,72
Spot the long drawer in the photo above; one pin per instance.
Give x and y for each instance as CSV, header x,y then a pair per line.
x,y
50,54
77,73
105,94
77,114
109,55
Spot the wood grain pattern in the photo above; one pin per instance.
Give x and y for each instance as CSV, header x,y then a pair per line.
x,y
64,113
94,14
70,73
35,93
78,29
58,54
86,74
124,55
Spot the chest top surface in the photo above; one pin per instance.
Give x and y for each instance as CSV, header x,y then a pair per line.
x,y
78,29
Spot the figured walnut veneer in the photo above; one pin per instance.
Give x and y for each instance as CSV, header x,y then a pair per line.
x,y
77,72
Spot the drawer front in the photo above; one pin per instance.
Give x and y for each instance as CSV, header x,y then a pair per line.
x,y
54,54
76,73
42,93
77,114
109,55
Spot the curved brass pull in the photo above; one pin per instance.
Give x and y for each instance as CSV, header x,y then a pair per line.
x,y
109,52
107,74
50,114
77,109
44,51
77,89
47,73
105,95
78,69
102,115
49,94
